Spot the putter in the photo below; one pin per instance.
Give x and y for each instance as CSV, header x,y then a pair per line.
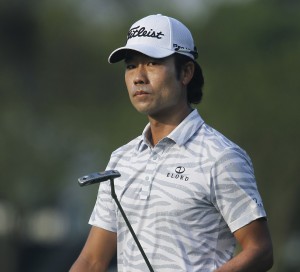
x,y
111,175
98,177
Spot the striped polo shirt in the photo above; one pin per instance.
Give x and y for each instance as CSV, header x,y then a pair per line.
x,y
184,198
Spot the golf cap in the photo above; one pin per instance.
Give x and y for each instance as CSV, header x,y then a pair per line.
x,y
157,36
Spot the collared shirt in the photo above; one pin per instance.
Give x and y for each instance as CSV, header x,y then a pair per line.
x,y
184,198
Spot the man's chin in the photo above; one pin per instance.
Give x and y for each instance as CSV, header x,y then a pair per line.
x,y
143,110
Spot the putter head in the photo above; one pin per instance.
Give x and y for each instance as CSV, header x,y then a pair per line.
x,y
98,177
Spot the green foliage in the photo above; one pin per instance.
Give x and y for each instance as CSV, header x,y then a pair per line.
x,y
251,55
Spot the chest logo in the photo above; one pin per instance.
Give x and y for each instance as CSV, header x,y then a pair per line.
x,y
179,169
178,174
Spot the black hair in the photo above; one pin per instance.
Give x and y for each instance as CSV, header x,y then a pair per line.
x,y
194,88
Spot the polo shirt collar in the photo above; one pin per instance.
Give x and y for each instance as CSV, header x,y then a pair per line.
x,y
180,135
187,128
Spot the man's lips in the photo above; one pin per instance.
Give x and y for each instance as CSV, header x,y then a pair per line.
x,y
140,92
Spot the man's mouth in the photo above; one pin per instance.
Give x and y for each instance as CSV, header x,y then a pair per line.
x,y
140,92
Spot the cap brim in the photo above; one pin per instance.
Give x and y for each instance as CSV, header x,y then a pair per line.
x,y
153,52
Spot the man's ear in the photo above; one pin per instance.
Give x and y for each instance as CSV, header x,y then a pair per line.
x,y
187,72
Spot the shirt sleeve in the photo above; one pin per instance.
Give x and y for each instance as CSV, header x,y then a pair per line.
x,y
234,189
104,212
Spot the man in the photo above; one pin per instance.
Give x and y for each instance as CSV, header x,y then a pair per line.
x,y
188,192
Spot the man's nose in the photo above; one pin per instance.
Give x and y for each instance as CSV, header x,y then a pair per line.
x,y
140,75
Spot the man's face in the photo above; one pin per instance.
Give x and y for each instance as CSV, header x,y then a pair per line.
x,y
153,87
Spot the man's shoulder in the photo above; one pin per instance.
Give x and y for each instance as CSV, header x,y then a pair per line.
x,y
124,153
128,147
216,143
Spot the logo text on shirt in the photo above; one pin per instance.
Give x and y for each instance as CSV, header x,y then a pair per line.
x,y
178,174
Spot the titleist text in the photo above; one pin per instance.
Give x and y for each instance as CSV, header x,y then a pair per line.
x,y
140,31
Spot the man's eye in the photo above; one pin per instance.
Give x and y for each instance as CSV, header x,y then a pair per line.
x,y
152,63
129,66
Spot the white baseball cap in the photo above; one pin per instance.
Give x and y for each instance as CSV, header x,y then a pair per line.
x,y
157,36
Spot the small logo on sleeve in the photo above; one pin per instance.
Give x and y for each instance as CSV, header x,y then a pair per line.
x,y
258,202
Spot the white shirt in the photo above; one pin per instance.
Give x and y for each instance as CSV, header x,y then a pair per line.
x,y
184,198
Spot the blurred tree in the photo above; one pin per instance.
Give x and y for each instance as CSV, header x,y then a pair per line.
x,y
251,57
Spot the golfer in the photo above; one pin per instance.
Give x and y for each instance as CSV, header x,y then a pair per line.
x,y
189,193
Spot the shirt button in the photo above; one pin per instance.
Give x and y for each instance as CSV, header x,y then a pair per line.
x,y
155,158
147,178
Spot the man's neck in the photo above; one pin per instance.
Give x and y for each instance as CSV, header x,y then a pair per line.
x,y
161,127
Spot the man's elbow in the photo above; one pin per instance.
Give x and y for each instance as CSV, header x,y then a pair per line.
x,y
268,258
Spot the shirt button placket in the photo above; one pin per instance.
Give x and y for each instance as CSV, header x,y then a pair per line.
x,y
145,189
151,166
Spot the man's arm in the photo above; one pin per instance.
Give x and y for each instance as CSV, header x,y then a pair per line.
x,y
257,250
100,247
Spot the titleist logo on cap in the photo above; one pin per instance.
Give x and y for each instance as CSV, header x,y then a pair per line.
x,y
140,31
